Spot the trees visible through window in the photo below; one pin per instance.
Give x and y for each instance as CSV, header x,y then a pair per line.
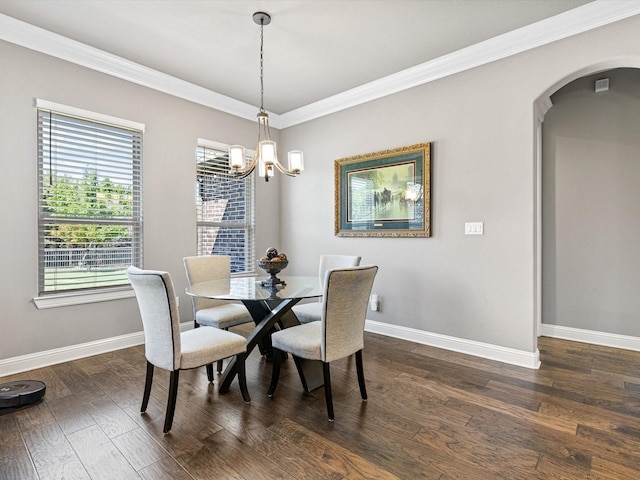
x,y
90,215
224,208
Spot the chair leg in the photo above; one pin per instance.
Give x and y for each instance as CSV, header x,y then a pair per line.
x,y
360,370
220,363
147,387
327,390
171,402
209,367
275,375
242,377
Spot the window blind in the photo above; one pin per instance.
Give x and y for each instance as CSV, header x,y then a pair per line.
x,y
224,209
89,202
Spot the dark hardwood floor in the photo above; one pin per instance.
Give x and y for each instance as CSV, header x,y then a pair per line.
x,y
431,414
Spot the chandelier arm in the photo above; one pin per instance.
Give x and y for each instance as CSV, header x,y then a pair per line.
x,y
240,176
245,171
283,169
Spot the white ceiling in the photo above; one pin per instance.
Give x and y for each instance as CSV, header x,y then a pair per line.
x,y
321,56
314,49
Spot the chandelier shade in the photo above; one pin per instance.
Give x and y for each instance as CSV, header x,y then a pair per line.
x,y
266,155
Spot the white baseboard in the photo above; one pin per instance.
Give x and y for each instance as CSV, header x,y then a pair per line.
x,y
470,347
589,336
511,356
23,363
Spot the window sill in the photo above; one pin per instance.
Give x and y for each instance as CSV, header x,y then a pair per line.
x,y
68,299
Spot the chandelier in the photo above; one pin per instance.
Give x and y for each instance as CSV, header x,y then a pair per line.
x,y
266,156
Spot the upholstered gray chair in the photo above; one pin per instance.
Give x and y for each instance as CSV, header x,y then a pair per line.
x,y
167,348
311,312
338,334
213,313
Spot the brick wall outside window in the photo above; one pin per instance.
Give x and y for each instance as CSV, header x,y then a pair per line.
x,y
224,206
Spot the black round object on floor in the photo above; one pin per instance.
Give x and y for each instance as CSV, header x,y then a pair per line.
x,y
21,392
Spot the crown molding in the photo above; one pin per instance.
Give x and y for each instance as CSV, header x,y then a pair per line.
x,y
44,41
564,25
578,20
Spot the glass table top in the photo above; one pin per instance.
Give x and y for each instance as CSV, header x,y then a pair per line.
x,y
249,288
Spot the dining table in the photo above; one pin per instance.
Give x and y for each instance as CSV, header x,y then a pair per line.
x,y
270,308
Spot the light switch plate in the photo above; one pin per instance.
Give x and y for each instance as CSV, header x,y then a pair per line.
x,y
474,228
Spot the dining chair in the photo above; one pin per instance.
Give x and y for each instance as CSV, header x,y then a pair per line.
x,y
311,312
338,334
167,348
213,313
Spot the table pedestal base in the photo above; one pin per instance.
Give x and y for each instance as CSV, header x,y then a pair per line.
x,y
266,314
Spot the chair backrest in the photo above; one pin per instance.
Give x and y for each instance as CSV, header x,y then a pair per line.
x,y
344,310
205,268
160,317
328,262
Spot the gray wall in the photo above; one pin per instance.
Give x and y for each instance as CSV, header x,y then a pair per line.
x,y
172,127
591,194
481,123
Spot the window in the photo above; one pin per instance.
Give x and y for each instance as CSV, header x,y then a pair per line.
x,y
89,200
224,208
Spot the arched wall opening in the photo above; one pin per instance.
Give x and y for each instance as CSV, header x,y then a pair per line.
x,y
587,164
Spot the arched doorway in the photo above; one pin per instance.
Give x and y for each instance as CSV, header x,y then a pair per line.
x,y
585,255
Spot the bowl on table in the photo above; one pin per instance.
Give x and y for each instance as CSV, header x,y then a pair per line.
x,y
273,263
272,268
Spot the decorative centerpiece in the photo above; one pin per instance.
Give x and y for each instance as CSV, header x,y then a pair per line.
x,y
273,263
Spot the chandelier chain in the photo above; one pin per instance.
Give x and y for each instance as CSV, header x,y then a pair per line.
x,y
262,65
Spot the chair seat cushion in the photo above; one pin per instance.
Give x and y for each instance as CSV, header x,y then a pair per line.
x,y
308,312
223,316
302,340
204,345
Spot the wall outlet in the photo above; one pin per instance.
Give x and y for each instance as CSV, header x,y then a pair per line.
x,y
374,302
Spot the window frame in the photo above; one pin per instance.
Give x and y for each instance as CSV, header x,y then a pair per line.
x,y
59,297
249,224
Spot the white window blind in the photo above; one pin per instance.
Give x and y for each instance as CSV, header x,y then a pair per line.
x,y
224,208
90,211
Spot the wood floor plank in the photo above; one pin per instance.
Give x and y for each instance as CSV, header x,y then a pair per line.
x,y
551,467
398,453
110,417
165,469
588,415
70,413
515,411
622,450
34,417
204,465
462,447
120,388
15,460
78,382
337,457
139,448
53,456
248,462
100,457
612,470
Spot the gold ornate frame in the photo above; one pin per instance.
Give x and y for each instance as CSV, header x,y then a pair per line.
x,y
384,194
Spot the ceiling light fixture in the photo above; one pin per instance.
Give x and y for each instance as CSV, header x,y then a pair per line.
x,y
266,157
